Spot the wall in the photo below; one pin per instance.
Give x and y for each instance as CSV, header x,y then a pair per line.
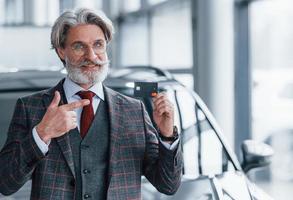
x,y
26,47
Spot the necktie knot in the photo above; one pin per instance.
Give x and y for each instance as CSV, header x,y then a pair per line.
x,y
86,95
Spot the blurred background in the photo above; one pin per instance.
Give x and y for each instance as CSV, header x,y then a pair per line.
x,y
236,54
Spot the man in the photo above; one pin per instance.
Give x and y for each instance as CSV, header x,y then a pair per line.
x,y
82,140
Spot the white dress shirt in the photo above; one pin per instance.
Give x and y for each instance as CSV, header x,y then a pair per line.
x,y
71,89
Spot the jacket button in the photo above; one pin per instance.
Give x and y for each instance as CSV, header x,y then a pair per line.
x,y
86,196
72,183
86,171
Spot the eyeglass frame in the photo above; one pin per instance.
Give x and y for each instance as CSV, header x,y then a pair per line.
x,y
84,49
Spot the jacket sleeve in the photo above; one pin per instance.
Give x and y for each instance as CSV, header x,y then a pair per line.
x,y
20,154
161,166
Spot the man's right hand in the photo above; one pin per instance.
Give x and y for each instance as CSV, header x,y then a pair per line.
x,y
59,119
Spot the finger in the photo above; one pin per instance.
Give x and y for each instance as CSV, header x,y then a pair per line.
x,y
162,102
74,119
70,124
72,114
76,104
163,109
73,125
159,97
164,105
55,102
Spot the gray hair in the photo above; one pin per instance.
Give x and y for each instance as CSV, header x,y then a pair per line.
x,y
73,18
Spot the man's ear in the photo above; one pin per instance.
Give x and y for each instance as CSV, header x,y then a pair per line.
x,y
61,53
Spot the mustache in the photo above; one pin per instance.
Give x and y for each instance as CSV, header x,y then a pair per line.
x,y
86,62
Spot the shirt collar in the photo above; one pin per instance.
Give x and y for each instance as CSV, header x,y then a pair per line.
x,y
71,88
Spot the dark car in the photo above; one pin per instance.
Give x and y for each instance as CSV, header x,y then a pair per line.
x,y
211,169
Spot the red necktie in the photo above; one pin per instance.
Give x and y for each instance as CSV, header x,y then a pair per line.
x,y
87,114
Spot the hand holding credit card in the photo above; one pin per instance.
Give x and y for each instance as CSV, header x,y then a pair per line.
x,y
145,89
163,109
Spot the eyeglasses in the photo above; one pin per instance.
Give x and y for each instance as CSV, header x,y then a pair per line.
x,y
81,49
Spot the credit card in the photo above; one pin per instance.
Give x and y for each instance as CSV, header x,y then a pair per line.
x,y
145,89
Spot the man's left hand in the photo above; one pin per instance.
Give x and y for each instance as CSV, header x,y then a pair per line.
x,y
163,114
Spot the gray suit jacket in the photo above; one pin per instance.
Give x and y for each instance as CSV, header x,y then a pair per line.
x,y
134,151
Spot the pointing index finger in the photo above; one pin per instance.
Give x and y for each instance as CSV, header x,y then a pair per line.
x,y
76,104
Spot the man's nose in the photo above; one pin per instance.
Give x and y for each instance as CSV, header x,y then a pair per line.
x,y
91,55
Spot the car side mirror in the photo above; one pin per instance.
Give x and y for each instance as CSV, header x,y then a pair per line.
x,y
255,154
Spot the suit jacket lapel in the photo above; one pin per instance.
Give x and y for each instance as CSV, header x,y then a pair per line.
x,y
116,121
62,141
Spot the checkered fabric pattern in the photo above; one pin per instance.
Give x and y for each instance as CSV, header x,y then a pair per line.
x,y
134,151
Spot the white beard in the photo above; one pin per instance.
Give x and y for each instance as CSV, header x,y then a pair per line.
x,y
78,76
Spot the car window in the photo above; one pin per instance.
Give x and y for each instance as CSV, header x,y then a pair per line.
x,y
186,103
203,152
214,159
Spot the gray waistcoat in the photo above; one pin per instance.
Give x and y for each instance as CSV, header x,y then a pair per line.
x,y
91,156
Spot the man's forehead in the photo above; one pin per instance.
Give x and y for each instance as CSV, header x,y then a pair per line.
x,y
85,33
